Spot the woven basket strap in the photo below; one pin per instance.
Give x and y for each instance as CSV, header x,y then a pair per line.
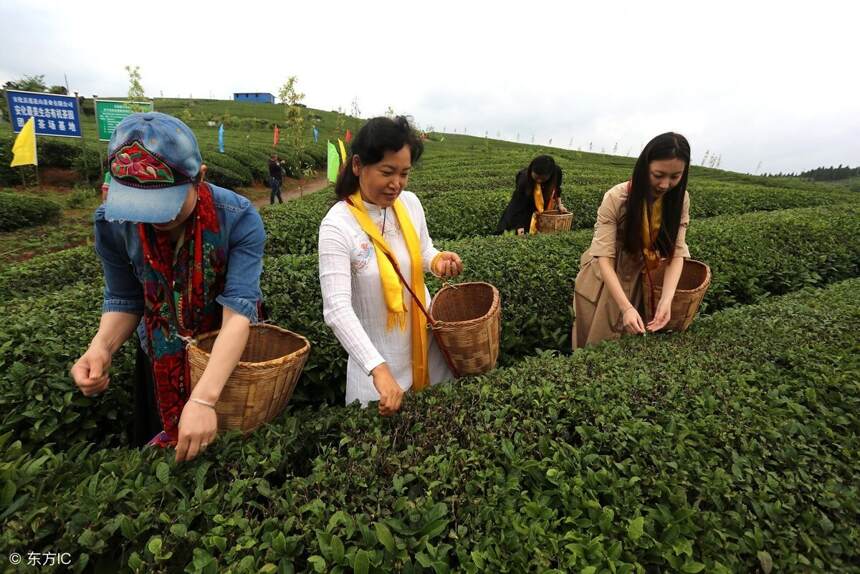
x,y
430,320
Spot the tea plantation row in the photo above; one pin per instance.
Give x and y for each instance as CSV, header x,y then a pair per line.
x,y
729,448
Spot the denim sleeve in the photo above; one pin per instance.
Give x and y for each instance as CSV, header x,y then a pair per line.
x,y
123,291
244,265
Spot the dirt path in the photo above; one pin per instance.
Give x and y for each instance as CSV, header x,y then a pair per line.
x,y
290,190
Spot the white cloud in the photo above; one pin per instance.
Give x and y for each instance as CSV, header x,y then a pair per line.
x,y
770,82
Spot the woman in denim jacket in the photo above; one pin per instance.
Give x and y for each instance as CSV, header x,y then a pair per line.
x,y
181,257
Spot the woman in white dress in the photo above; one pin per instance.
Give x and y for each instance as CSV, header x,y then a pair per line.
x,y
373,244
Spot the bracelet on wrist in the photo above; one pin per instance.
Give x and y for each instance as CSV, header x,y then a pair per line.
x,y
433,264
202,402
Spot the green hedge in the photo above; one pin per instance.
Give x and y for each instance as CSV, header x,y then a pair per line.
x,y
730,448
293,227
20,210
58,152
255,163
224,177
8,175
212,158
88,165
51,272
40,339
752,257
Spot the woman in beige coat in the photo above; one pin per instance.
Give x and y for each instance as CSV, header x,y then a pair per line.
x,y
641,224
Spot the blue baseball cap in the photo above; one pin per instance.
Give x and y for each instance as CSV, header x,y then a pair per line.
x,y
153,159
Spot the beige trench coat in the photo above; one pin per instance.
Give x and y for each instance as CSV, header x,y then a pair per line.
x,y
598,316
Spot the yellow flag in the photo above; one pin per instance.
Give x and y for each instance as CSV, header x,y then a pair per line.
x,y
24,149
342,151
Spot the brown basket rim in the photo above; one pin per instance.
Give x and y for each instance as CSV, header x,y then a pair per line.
x,y
255,365
704,284
555,213
494,307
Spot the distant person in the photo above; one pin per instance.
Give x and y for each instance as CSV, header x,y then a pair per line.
x,y
181,257
276,178
537,189
641,224
105,186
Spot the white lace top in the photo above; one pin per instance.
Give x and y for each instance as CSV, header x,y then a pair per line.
x,y
353,303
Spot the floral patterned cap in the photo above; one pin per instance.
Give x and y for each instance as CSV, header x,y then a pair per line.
x,y
153,159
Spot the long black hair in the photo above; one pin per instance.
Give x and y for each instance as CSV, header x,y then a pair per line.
x,y
665,146
376,137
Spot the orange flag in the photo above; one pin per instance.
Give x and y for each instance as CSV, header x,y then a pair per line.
x,y
277,136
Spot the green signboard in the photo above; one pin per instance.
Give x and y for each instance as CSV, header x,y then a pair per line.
x,y
110,112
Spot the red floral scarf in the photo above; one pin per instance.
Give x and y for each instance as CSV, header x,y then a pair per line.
x,y
180,285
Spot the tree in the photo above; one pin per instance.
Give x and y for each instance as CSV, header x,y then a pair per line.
x,y
354,110
27,84
294,110
136,92
34,84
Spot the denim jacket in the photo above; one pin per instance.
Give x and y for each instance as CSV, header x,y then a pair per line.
x,y
121,254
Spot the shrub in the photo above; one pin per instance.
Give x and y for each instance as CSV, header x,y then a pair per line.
x,y
57,152
752,257
51,272
19,210
224,177
8,175
83,197
88,165
729,448
293,228
224,161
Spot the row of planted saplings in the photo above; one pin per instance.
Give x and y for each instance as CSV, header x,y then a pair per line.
x,y
465,319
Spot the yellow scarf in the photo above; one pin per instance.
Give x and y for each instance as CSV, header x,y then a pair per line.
x,y
650,229
538,197
392,290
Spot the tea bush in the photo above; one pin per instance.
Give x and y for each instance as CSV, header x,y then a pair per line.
x,y
731,447
20,210
752,257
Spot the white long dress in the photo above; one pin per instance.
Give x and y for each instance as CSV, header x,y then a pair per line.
x,y
353,303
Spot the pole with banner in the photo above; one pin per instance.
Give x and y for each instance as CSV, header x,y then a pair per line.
x,y
24,149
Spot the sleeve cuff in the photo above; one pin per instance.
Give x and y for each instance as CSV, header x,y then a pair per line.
x,y
241,306
373,363
131,306
602,252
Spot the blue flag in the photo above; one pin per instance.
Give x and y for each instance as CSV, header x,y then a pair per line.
x,y
316,134
221,138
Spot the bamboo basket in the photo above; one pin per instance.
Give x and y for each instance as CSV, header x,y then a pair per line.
x,y
554,221
467,322
692,286
262,383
